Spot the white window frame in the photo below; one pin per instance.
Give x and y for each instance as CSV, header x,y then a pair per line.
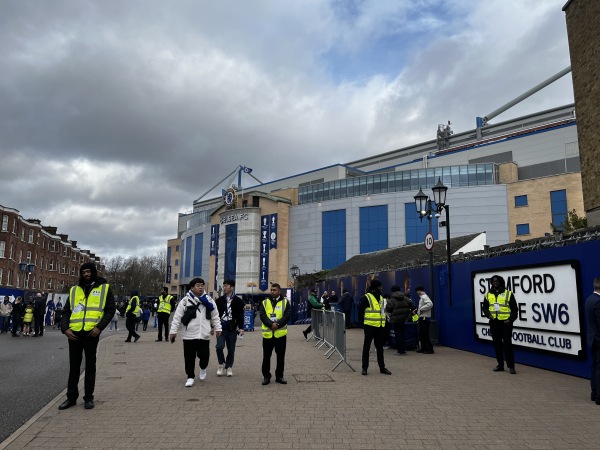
x,y
8,276
1,274
12,250
31,235
2,248
23,234
4,222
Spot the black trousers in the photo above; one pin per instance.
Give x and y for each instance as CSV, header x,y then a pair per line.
x,y
279,344
595,378
163,321
84,345
399,335
424,338
348,318
376,334
130,325
39,324
193,348
502,338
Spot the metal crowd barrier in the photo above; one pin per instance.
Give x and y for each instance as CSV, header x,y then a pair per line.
x,y
329,331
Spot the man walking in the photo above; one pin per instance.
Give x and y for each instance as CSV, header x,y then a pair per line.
x,y
592,313
274,315
231,313
39,311
131,314
347,302
500,306
88,310
313,303
6,309
370,312
166,304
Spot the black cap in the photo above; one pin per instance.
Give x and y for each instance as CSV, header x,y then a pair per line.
x,y
90,266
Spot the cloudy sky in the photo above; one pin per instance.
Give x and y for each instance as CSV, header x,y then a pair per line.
x,y
115,116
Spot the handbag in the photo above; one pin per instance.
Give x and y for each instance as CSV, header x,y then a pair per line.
x,y
190,313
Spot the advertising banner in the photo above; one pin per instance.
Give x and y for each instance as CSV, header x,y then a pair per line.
x,y
263,282
549,316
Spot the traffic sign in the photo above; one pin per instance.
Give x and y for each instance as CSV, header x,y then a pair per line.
x,y
429,242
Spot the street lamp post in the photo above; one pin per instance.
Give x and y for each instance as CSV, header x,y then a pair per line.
x,y
295,273
425,208
26,269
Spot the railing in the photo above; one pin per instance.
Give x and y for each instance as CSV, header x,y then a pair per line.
x,y
329,331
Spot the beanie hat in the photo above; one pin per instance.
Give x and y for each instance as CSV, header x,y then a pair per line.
x,y
88,266
395,288
375,284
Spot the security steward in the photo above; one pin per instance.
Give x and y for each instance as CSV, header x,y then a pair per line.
x,y
500,306
131,314
274,315
370,312
166,304
88,310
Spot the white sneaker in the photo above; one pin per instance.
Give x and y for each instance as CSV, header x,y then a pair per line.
x,y
202,375
229,372
220,370
189,382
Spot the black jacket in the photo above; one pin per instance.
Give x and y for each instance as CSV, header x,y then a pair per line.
x,y
399,307
237,310
109,307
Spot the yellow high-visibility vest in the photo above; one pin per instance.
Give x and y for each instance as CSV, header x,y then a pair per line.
x,y
164,305
137,305
86,312
503,301
279,310
373,315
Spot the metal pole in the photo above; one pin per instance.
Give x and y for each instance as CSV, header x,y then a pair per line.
x,y
432,289
448,254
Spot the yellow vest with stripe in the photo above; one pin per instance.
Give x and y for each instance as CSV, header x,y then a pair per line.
x,y
373,315
86,312
137,305
502,300
164,305
279,310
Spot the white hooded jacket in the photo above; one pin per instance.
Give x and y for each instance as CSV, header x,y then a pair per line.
x,y
198,328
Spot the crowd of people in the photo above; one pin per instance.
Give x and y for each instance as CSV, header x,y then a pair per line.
x,y
29,317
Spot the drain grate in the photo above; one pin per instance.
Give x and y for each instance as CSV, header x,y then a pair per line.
x,y
313,378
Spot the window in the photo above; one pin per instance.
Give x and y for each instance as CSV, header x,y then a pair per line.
x,y
177,248
558,205
20,256
373,228
176,262
53,246
522,229
2,248
19,280
176,275
31,233
15,225
12,249
520,200
29,257
22,233
1,272
333,242
198,242
8,276
51,264
4,222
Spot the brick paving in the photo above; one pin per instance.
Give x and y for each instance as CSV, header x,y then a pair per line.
x,y
451,399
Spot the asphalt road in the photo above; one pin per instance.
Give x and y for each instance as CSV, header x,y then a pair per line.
x,y
33,371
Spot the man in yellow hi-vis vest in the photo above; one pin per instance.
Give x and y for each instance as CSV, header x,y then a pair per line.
x,y
88,310
166,305
274,315
370,312
500,306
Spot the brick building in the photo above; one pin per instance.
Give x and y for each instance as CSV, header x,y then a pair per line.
x,y
34,257
582,18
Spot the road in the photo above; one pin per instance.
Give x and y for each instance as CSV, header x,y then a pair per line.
x,y
33,371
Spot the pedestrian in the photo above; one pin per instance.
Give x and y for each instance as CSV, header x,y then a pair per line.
x,y
6,309
39,312
132,312
17,316
313,303
114,321
88,310
145,316
333,300
231,313
592,312
347,302
198,313
500,306
27,318
371,313
399,308
274,314
325,300
424,312
166,304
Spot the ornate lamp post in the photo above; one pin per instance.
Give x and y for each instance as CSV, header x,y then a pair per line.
x,y
425,208
26,269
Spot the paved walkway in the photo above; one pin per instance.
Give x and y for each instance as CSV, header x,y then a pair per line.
x,y
448,400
